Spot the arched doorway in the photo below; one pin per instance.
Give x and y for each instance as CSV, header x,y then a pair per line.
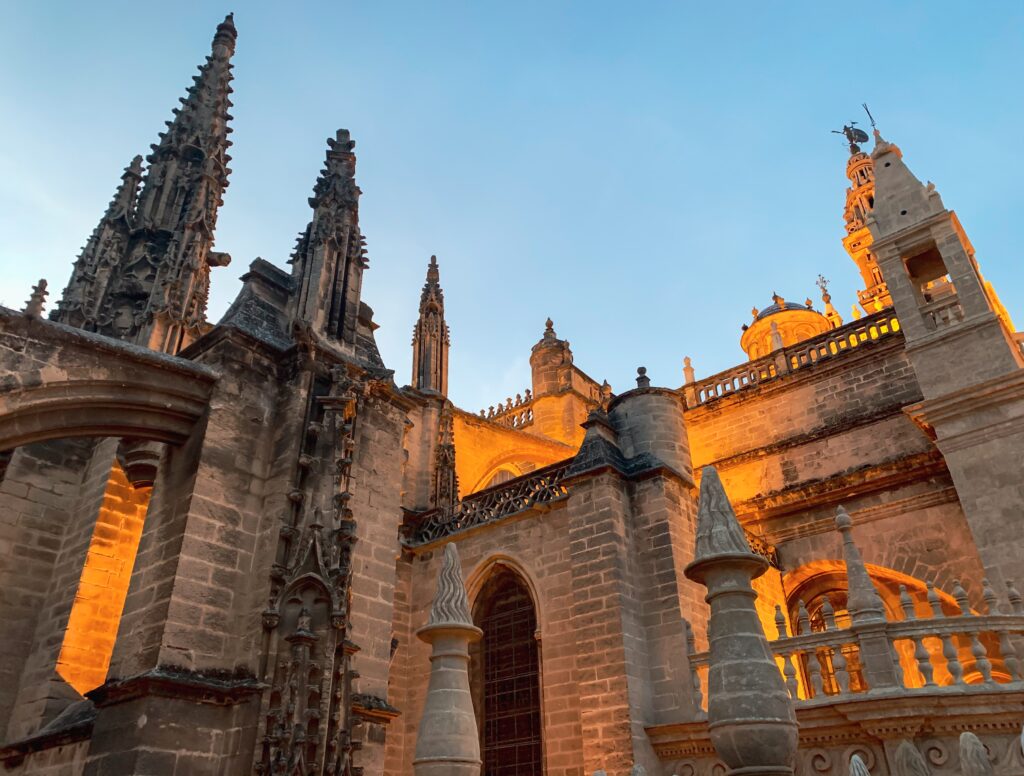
x,y
505,677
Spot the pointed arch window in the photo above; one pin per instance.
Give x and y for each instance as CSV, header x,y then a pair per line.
x,y
505,677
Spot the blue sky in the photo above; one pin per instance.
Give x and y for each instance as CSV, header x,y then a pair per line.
x,y
643,173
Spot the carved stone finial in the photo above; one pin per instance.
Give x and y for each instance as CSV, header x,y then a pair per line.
x,y
909,761
973,757
864,603
34,305
688,373
777,299
451,606
642,380
857,767
776,337
448,743
750,712
549,329
718,530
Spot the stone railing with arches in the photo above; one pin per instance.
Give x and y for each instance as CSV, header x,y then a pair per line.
x,y
536,489
940,653
832,344
513,413
865,693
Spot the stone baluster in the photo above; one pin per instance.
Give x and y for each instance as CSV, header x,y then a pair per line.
x,y
949,650
691,649
1014,597
814,673
909,761
803,619
788,670
1006,647
752,724
867,615
960,596
448,743
978,651
973,757
780,622
907,604
921,654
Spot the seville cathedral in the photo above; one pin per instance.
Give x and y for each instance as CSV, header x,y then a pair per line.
x,y
241,547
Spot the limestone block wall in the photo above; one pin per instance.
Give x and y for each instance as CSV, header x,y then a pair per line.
x,y
42,693
37,498
482,447
838,416
537,547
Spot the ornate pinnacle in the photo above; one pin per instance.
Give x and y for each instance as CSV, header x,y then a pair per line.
x,y
864,603
34,305
451,606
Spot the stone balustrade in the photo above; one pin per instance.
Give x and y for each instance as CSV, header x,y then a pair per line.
x,y
943,312
538,489
513,413
939,654
832,344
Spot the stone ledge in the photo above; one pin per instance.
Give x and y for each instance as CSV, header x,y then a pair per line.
x,y
873,718
221,688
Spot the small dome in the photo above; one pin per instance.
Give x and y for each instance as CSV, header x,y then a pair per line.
x,y
781,321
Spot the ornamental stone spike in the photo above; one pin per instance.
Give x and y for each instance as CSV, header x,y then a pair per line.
x,y
448,743
34,305
857,767
753,726
909,761
864,603
973,757
867,615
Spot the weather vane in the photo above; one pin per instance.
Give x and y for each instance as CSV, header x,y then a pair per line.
x,y
853,136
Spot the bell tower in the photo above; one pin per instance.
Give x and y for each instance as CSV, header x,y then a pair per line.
x,y
965,354
860,199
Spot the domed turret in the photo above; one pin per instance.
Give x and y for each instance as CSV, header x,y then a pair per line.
x,y
781,324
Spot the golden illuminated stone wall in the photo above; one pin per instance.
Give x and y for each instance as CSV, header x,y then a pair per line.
x,y
92,626
483,448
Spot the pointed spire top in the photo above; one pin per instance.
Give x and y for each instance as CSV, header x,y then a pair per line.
x,y
718,530
864,602
549,329
226,34
34,305
433,273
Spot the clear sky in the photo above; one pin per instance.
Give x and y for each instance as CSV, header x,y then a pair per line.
x,y
644,173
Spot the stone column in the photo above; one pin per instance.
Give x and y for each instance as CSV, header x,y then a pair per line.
x,y
750,714
448,743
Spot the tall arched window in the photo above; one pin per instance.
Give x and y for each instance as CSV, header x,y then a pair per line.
x,y
505,677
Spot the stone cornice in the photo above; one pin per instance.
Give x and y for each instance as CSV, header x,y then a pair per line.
x,y
834,722
212,687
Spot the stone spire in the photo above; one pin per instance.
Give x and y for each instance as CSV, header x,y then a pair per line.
x,y
448,743
430,338
144,275
753,726
330,255
863,601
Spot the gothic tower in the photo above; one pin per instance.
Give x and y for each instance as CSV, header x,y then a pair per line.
x,y
144,274
430,339
860,198
965,354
